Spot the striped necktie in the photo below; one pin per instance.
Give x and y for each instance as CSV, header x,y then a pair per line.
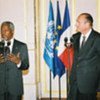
x,y
7,49
83,41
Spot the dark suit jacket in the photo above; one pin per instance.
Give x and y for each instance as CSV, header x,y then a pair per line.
x,y
86,66
10,75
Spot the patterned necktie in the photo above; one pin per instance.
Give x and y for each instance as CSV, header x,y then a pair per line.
x,y
83,41
7,49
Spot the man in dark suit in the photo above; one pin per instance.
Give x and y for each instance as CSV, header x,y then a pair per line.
x,y
85,74
13,59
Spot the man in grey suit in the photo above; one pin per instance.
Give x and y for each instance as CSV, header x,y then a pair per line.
x,y
13,59
85,74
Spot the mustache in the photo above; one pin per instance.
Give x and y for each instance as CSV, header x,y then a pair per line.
x,y
3,38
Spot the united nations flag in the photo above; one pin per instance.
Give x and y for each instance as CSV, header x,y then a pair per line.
x,y
50,41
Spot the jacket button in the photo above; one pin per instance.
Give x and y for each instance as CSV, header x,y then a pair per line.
x,y
79,58
77,65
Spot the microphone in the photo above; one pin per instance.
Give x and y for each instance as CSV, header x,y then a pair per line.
x,y
68,43
65,40
72,40
2,43
8,43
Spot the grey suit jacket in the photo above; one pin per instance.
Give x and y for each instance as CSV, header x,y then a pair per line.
x,y
10,75
85,73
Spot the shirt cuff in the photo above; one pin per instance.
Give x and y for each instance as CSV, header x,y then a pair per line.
x,y
18,65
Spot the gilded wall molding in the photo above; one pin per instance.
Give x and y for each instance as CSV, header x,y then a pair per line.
x,y
73,16
98,15
37,44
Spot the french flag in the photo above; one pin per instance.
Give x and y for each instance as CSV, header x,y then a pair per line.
x,y
66,54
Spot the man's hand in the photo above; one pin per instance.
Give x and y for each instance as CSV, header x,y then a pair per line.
x,y
1,58
14,58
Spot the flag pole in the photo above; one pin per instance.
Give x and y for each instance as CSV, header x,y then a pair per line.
x,y
66,85
68,70
49,47
68,46
50,86
59,88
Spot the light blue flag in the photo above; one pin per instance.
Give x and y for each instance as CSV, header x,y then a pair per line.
x,y
50,41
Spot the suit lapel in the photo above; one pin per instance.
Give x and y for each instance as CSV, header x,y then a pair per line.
x,y
88,43
15,47
77,42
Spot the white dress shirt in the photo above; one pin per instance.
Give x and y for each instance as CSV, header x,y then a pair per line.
x,y
11,44
86,36
11,48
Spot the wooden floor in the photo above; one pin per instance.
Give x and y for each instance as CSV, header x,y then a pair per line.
x,y
98,98
58,99
52,99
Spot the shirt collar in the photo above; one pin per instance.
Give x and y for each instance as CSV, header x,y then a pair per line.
x,y
11,41
87,34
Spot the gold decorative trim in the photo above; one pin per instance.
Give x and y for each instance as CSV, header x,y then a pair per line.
x,y
37,43
26,29
37,39
35,83
98,15
32,49
44,20
25,18
73,15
